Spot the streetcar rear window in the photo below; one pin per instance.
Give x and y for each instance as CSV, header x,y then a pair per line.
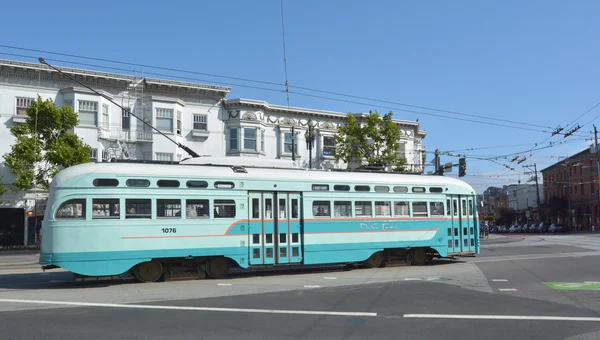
x,y
71,209
106,182
224,208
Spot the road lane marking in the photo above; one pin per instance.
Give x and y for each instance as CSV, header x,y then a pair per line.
x,y
201,309
329,278
499,280
507,289
503,317
223,284
311,286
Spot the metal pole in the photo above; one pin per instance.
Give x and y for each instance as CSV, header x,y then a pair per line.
x,y
437,162
293,145
597,173
537,186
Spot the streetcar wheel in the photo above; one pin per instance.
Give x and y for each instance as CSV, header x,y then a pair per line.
x,y
375,260
419,256
217,267
149,271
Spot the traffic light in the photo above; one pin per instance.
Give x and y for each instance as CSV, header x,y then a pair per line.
x,y
462,167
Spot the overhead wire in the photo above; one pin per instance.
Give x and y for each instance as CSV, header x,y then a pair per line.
x,y
306,89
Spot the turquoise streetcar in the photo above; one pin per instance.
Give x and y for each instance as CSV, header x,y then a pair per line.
x,y
205,216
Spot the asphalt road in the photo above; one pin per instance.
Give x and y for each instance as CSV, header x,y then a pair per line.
x,y
530,287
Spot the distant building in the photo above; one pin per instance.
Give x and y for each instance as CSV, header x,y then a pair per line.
x,y
196,115
575,179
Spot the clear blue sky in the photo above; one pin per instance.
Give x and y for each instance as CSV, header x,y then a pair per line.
x,y
534,62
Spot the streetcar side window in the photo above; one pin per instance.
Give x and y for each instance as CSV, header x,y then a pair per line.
x,y
103,208
419,209
224,208
197,209
71,209
342,209
436,208
168,208
138,208
363,209
401,209
321,209
383,208
362,188
400,189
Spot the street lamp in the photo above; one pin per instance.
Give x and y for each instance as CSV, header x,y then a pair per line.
x,y
309,135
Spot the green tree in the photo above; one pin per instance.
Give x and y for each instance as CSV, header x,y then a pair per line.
x,y
374,142
44,147
490,218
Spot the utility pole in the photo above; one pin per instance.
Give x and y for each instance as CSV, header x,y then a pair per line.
x,y
293,144
597,173
537,186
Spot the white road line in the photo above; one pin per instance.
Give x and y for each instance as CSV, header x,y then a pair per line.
x,y
203,309
499,280
502,317
412,279
223,284
329,278
311,286
507,289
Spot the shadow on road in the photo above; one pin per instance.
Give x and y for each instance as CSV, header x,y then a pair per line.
x,y
66,280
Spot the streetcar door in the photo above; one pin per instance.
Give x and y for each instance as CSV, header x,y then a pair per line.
x,y
454,231
469,228
288,242
262,228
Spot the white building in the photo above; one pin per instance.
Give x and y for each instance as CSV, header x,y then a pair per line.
x,y
196,115
523,196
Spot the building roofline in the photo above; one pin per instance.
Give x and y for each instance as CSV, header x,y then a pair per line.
x,y
114,76
566,160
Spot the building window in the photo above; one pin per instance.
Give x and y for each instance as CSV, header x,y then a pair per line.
x,y
88,113
262,140
105,117
233,139
287,142
125,120
592,185
94,154
179,122
250,139
328,146
164,120
200,122
165,157
22,105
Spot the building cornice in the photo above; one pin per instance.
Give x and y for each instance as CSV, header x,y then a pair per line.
x,y
162,84
241,103
568,160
